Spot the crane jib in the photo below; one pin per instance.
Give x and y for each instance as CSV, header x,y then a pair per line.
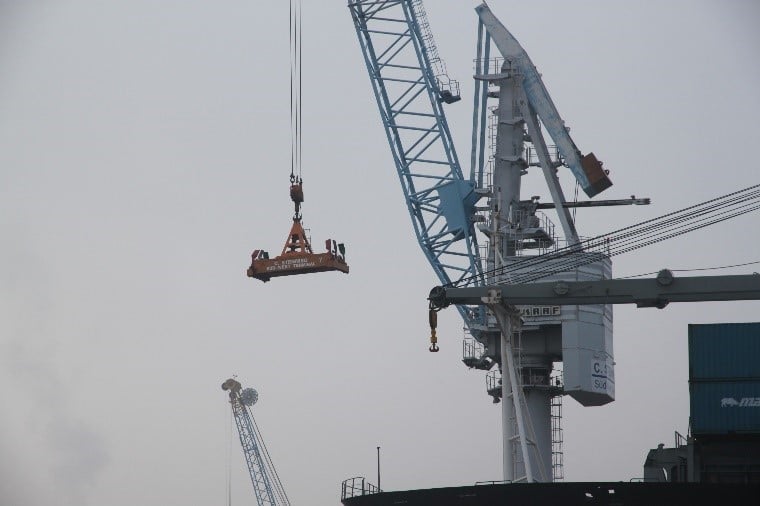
x,y
656,292
411,87
586,169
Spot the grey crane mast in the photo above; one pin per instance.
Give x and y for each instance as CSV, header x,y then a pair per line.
x,y
576,287
579,336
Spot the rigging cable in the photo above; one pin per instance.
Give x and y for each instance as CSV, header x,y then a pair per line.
x,y
295,91
572,261
692,270
629,238
653,233
271,471
229,461
290,38
575,200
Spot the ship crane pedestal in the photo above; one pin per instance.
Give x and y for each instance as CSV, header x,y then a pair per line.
x,y
411,86
503,299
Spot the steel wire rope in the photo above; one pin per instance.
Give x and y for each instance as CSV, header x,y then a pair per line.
x,y
229,459
278,487
575,200
290,55
296,144
632,246
632,231
300,93
674,226
687,214
692,270
647,239
259,443
270,471
641,230
703,216
661,222
684,210
721,217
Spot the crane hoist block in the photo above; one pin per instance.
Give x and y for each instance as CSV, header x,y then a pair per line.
x,y
297,257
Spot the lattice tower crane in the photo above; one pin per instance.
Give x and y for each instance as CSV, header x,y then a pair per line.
x,y
266,483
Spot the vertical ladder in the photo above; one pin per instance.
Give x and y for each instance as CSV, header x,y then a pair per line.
x,y
558,471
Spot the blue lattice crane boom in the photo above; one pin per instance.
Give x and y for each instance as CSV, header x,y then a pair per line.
x,y
411,89
266,483
410,85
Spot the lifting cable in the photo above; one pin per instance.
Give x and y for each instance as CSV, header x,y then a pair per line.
x,y
228,469
295,91
269,469
626,239
296,181
692,270
639,236
575,200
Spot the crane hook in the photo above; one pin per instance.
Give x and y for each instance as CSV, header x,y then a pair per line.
x,y
433,319
296,195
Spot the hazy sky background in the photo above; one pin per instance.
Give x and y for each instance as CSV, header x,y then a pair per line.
x,y
144,153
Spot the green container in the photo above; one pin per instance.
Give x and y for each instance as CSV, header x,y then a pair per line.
x,y
724,351
725,407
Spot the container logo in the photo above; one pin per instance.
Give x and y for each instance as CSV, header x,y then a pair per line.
x,y
745,402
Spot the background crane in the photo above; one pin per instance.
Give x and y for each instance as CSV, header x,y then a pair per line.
x,y
266,483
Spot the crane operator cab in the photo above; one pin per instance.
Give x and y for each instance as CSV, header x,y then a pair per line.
x,y
297,257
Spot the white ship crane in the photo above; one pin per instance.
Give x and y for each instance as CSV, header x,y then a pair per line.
x,y
412,89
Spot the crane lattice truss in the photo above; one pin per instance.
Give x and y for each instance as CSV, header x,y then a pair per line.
x,y
410,86
266,483
248,440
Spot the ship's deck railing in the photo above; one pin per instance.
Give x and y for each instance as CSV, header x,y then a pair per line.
x,y
493,482
357,486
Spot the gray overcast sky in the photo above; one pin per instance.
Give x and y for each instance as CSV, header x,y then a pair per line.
x,y
144,152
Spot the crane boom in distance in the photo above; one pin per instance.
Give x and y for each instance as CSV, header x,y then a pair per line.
x,y
266,483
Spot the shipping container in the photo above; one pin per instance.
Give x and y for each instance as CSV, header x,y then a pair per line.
x,y
726,351
725,407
